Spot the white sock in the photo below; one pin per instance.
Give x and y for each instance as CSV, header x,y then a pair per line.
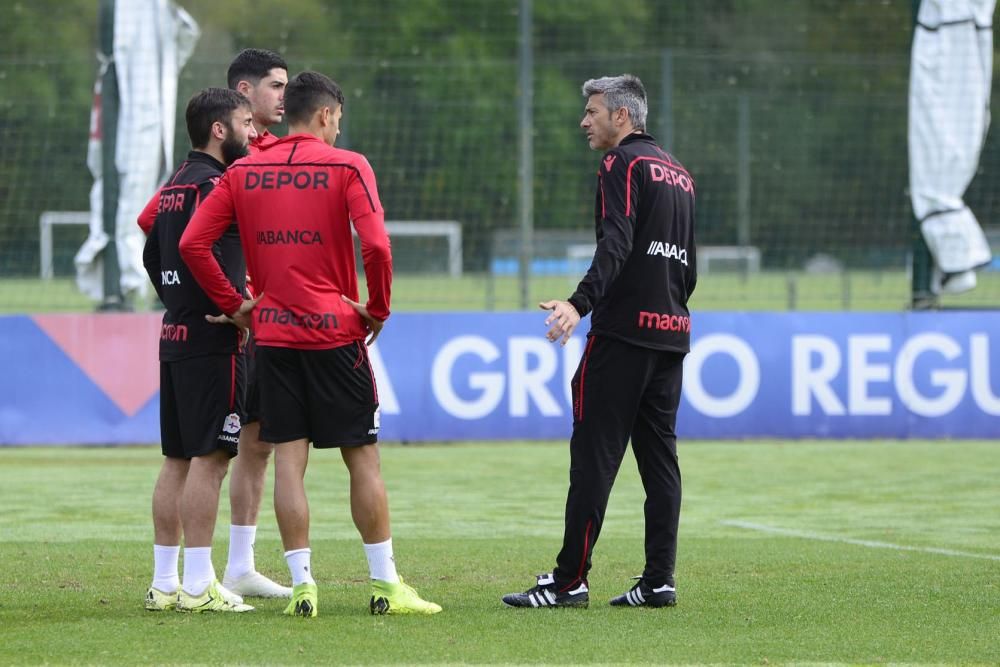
x,y
298,565
165,568
198,571
241,539
381,564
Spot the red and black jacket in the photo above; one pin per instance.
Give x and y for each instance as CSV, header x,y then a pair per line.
x,y
644,268
185,333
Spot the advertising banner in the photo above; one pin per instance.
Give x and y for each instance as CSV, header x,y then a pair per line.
x,y
93,379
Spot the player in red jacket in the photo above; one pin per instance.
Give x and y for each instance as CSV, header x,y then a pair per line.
x,y
296,203
260,76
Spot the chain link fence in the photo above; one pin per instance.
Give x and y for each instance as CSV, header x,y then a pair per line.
x,y
793,126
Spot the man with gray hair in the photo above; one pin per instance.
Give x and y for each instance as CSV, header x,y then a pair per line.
x,y
628,383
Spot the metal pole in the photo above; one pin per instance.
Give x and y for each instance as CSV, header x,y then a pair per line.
x,y
921,297
667,98
109,170
743,172
526,85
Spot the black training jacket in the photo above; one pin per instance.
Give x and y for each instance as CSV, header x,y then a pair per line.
x,y
643,273
185,333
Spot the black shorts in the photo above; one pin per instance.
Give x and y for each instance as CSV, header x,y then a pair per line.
x,y
326,396
252,405
201,401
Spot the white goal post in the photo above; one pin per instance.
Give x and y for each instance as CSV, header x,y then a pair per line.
x,y
46,221
450,230
731,258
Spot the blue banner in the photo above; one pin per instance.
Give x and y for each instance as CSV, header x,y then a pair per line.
x,y
841,375
459,376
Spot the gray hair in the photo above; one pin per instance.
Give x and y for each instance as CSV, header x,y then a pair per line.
x,y
625,90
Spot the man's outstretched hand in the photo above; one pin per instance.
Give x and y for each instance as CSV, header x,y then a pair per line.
x,y
563,320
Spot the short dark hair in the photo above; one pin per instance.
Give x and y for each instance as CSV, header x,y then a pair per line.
x,y
207,107
306,93
253,65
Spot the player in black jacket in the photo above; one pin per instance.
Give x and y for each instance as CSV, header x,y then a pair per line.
x,y
628,383
202,372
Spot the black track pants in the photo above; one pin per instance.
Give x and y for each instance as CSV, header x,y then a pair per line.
x,y
622,391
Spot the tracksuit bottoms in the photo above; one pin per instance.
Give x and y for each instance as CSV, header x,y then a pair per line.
x,y
620,391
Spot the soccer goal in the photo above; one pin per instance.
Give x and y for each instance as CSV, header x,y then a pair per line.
x,y
449,231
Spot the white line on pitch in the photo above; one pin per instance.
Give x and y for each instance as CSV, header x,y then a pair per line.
x,y
846,540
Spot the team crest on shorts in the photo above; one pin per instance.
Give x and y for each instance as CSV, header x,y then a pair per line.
x,y
376,421
232,423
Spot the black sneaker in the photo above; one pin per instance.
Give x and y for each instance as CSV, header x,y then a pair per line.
x,y
545,594
642,595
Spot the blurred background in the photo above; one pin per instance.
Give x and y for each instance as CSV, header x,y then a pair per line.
x,y
792,119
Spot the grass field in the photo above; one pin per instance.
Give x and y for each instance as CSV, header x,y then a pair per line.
x,y
790,552
776,291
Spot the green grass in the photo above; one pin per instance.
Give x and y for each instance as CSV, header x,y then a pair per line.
x,y
474,521
777,291
33,295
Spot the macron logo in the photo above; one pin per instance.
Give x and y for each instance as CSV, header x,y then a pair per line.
x,y
608,161
664,322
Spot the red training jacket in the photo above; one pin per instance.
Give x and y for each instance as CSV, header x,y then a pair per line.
x,y
295,203
148,214
263,141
